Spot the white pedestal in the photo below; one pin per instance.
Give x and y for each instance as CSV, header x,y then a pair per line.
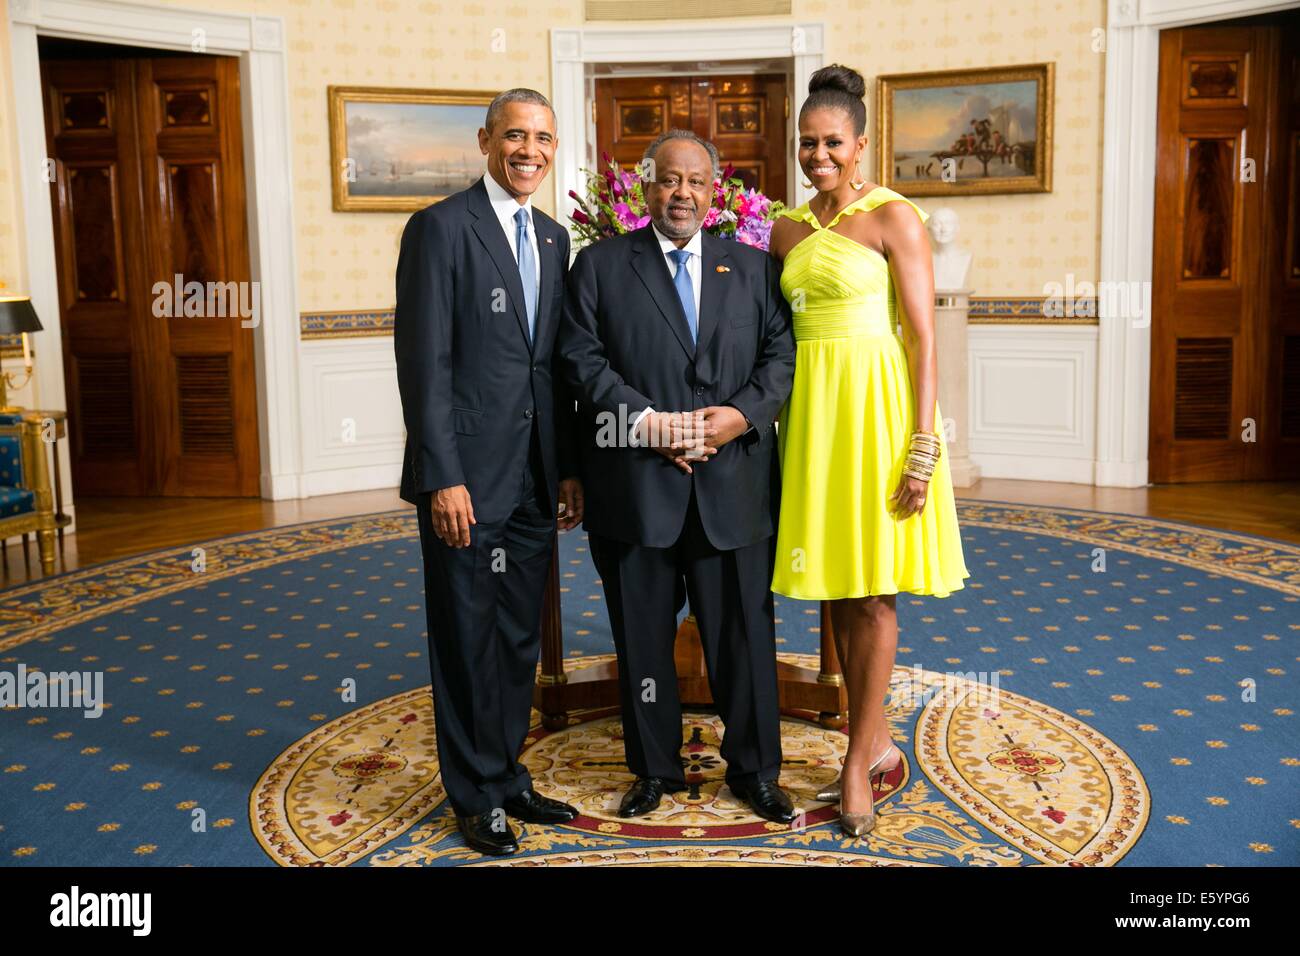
x,y
951,308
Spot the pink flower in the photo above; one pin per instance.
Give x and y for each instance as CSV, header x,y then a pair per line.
x,y
614,203
626,217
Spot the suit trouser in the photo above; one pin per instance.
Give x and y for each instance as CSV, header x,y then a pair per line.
x,y
483,604
731,598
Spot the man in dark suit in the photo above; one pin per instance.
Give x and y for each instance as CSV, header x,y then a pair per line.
x,y
665,326
489,457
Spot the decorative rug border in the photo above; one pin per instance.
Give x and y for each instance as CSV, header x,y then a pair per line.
x,y
35,609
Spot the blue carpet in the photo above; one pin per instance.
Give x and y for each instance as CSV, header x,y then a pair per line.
x,y
273,708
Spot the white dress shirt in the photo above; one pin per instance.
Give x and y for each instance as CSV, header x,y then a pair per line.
x,y
694,269
695,246
505,206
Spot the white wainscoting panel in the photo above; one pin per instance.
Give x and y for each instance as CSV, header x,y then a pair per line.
x,y
350,379
1033,401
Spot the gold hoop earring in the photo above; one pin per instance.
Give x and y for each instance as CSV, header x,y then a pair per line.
x,y
807,185
860,184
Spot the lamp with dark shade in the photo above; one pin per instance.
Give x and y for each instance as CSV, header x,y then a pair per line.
x,y
17,317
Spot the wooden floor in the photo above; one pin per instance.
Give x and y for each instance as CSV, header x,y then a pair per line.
x,y
109,528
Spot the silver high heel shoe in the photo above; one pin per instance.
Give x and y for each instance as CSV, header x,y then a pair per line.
x,y
859,824
831,794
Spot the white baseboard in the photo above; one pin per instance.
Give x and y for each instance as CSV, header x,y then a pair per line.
x,y
282,487
1120,474
333,481
1034,468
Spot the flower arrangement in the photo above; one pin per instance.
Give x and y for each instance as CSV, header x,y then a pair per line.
x,y
615,204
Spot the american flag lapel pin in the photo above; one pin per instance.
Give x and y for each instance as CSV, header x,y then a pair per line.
x,y
549,241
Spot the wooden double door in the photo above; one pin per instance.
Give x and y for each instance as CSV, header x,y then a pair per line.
x,y
156,305
1225,346
743,115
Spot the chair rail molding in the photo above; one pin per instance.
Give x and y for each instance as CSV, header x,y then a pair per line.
x,y
1127,218
576,50
259,43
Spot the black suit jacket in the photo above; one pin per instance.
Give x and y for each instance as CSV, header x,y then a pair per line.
x,y
472,387
625,344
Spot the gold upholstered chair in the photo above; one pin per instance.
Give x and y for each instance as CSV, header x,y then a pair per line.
x,y
26,498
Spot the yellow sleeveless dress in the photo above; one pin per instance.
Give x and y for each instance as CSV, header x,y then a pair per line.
x,y
845,430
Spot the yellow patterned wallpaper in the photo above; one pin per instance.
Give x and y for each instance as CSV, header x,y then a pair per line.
x,y
1020,241
345,260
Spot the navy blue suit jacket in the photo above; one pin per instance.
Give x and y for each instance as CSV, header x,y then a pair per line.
x,y
625,344
472,385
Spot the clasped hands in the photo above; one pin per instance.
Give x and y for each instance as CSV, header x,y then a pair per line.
x,y
691,437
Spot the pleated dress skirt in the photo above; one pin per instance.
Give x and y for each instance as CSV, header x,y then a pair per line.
x,y
843,439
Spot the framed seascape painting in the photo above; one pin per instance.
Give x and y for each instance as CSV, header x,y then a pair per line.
x,y
966,131
394,150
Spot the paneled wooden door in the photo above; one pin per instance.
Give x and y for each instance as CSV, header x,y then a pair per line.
x,y
1225,345
744,116
149,214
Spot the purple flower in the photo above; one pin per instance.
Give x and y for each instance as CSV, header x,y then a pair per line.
x,y
615,203
755,232
626,217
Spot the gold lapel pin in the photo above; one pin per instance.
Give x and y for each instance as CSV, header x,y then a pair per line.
x,y
724,268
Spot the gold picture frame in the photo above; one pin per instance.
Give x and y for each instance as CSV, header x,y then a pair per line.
x,y
405,149
947,154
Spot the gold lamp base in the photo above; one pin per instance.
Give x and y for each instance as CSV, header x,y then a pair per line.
x,y
5,407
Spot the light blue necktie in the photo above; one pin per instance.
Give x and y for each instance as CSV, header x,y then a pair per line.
x,y
685,291
527,269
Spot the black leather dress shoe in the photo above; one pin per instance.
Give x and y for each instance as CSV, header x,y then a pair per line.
x,y
480,835
767,799
644,795
531,807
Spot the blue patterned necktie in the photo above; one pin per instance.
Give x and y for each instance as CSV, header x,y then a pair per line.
x,y
685,291
527,269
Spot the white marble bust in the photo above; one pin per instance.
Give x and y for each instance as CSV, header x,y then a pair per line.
x,y
951,264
